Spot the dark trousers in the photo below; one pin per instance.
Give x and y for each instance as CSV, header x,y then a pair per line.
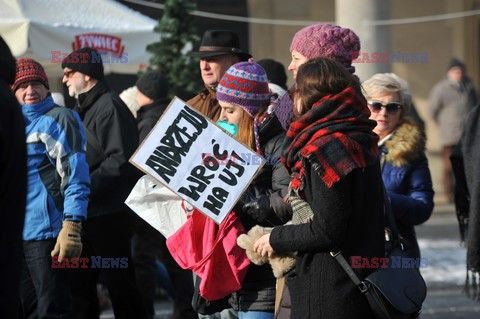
x,y
108,237
148,245
44,291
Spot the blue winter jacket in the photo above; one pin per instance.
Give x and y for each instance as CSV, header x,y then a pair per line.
x,y
408,181
58,177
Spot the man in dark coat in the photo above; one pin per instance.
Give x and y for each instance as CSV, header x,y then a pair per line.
x,y
112,138
13,186
148,243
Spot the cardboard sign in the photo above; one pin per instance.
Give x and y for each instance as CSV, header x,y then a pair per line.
x,y
197,160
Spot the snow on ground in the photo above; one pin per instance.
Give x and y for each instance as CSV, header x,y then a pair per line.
x,y
446,261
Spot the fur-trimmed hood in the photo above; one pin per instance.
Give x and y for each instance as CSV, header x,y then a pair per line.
x,y
406,145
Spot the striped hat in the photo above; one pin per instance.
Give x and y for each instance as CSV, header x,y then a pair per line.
x,y
245,84
29,70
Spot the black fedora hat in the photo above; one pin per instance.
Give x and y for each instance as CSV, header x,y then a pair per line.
x,y
219,42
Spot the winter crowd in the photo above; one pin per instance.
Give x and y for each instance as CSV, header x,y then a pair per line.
x,y
338,142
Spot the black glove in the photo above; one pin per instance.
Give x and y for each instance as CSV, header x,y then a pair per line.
x,y
259,209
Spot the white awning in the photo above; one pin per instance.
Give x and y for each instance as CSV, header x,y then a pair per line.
x,y
47,30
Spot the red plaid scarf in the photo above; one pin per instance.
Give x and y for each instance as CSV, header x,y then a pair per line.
x,y
335,136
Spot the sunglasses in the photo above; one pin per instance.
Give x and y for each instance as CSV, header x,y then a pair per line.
x,y
68,73
392,107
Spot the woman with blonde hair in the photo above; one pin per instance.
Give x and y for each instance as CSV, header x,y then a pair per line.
x,y
404,165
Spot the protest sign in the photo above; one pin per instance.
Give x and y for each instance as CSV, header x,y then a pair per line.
x,y
197,160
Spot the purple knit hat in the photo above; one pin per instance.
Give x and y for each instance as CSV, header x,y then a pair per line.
x,y
327,40
245,84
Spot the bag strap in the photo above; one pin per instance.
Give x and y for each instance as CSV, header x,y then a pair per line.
x,y
350,273
388,212
94,142
337,254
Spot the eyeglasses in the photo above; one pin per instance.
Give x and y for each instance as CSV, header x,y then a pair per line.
x,y
391,107
68,73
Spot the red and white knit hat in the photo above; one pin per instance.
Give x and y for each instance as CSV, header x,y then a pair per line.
x,y
29,70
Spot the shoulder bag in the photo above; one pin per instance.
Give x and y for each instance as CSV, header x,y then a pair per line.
x,y
392,292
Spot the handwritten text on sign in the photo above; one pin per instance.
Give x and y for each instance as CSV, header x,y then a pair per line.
x,y
197,160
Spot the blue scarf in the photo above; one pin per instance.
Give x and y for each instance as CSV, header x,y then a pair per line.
x,y
33,111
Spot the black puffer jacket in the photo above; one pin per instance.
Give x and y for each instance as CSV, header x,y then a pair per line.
x,y
111,127
258,288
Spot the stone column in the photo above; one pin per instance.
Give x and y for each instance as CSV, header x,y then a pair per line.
x,y
355,14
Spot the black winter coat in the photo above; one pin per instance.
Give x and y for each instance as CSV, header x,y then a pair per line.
x,y
13,185
148,116
112,128
348,216
258,287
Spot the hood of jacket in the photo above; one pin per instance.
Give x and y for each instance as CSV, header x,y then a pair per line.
x,y
406,145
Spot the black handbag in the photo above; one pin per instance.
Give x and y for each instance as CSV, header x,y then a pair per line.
x,y
392,292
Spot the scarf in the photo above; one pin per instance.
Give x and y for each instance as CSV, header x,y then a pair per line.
x,y
33,111
471,153
335,136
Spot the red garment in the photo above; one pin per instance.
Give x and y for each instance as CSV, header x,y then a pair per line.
x,y
211,252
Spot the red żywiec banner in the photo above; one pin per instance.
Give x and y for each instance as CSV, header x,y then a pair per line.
x,y
101,42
